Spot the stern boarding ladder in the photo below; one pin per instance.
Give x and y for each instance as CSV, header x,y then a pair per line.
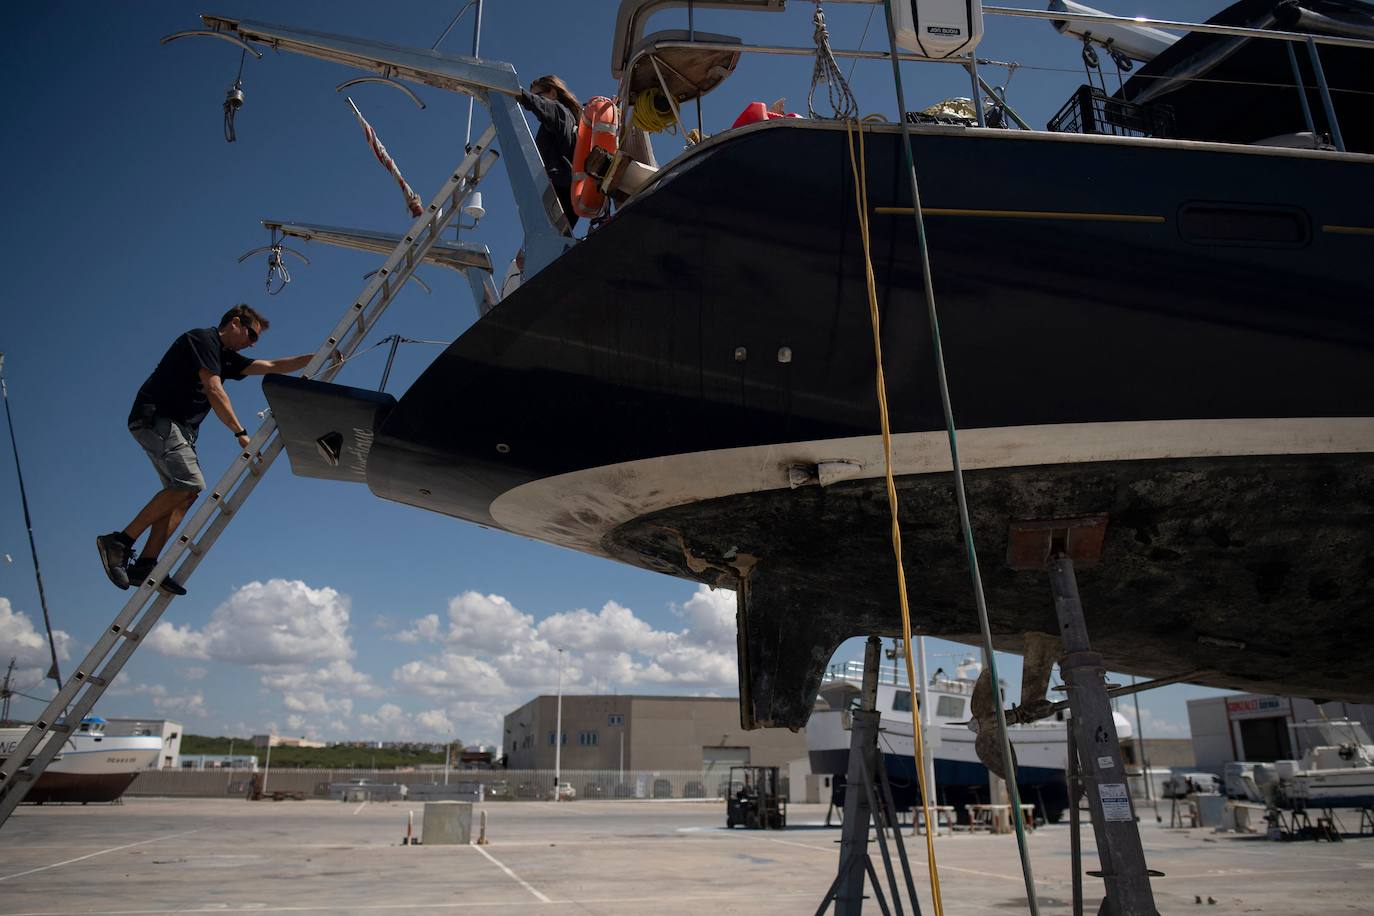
x,y
198,534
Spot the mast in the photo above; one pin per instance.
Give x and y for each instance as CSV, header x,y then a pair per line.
x,y
53,672
5,694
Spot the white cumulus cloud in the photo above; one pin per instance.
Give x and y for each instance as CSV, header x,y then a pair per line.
x,y
337,677
21,638
164,702
271,623
392,723
488,656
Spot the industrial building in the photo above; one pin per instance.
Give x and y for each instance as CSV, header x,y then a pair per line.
x,y
1258,727
643,733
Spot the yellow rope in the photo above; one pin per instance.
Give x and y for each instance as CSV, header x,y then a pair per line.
x,y
858,165
648,117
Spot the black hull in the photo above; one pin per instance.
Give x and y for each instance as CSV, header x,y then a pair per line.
x,y
958,783
1177,335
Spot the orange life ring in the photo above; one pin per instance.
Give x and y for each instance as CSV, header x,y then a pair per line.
x,y
599,125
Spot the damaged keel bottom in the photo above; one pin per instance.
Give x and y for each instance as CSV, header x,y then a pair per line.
x,y
1253,570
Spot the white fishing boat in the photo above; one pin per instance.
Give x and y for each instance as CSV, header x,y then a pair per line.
x,y
1041,747
92,766
1336,769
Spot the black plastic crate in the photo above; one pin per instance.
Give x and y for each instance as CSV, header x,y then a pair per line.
x,y
1091,111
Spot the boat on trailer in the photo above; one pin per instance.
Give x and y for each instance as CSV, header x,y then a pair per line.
x,y
1155,317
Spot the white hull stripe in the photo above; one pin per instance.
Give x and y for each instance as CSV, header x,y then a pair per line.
x,y
577,509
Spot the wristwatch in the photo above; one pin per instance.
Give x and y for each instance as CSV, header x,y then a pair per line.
x,y
241,432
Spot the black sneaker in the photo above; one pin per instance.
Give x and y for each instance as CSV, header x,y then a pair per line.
x,y
115,549
141,568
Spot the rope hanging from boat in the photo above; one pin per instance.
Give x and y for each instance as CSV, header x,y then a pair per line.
x,y
843,105
961,497
412,199
858,165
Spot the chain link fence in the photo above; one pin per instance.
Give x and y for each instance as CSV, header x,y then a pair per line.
x,y
496,785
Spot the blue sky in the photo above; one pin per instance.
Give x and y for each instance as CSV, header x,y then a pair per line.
x,y
324,610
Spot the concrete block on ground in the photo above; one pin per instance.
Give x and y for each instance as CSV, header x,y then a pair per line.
x,y
447,823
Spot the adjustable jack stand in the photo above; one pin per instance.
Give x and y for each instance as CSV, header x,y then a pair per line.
x,y
1097,765
868,800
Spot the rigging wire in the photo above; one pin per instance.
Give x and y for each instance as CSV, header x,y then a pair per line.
x,y
1258,84
989,656
29,696
383,342
53,673
862,38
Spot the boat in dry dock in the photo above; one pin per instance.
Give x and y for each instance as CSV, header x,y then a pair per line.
x,y
1154,316
92,766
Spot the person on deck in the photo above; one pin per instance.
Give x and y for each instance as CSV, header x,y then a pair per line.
x,y
186,385
558,112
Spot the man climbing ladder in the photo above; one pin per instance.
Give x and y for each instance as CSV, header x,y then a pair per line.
x,y
186,385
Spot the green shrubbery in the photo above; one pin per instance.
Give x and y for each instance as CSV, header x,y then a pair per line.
x,y
312,757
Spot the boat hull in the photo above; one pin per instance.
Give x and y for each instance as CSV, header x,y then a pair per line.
x,y
90,769
958,782
1173,335
1041,753
1347,788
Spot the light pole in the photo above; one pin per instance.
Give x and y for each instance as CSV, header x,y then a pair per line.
x,y
558,732
927,751
1144,761
448,752
267,765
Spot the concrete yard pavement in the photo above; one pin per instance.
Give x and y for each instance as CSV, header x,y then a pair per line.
x,y
605,857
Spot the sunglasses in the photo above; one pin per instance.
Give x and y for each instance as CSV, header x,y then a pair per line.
x,y
252,334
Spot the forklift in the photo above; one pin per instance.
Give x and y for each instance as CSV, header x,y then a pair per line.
x,y
755,801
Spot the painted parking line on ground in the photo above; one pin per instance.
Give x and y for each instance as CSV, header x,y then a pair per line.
x,y
409,907
519,880
20,874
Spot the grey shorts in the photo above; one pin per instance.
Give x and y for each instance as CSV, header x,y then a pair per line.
x,y
172,454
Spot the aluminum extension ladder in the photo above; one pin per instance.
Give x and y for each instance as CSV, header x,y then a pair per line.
x,y
143,610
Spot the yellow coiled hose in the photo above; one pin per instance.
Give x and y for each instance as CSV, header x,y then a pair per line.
x,y
653,112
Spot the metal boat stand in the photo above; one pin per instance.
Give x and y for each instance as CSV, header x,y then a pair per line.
x,y
868,801
1095,765
1095,761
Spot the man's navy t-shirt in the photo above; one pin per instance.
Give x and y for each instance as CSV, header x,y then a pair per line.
x,y
173,390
